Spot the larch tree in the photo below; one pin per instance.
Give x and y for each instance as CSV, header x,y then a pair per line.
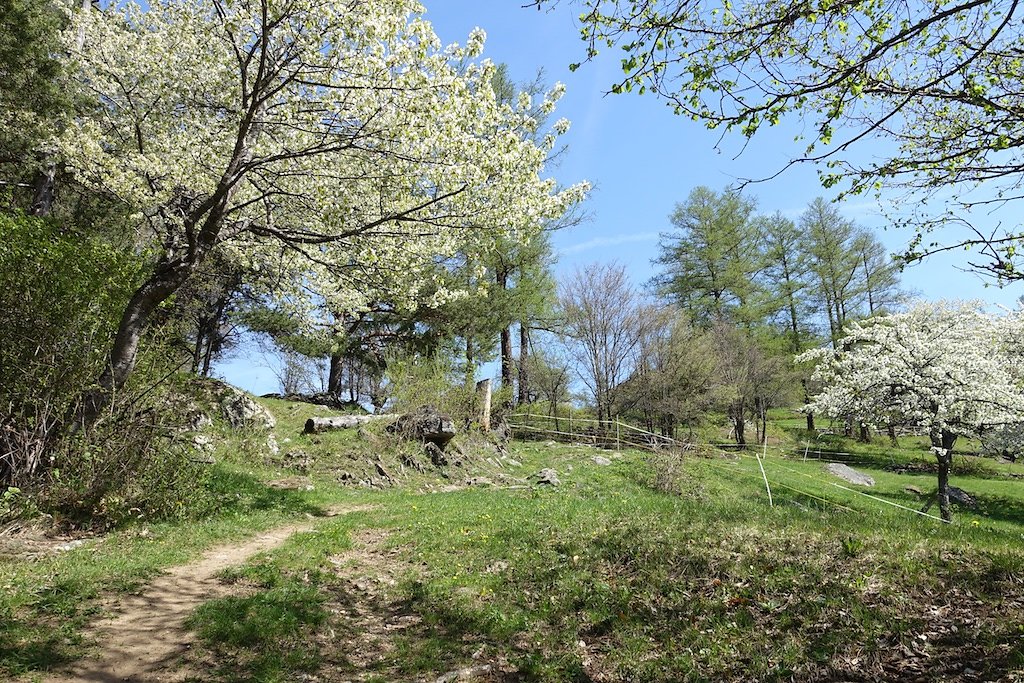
x,y
827,240
787,275
712,257
942,367
878,274
339,133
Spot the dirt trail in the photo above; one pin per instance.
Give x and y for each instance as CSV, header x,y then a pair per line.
x,y
143,641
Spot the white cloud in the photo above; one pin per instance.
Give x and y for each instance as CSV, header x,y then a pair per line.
x,y
600,242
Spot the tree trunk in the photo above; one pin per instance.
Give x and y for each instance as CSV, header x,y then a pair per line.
x,y
807,400
44,192
524,357
483,391
208,356
739,424
893,441
164,281
336,374
757,420
470,362
197,350
864,434
942,443
506,358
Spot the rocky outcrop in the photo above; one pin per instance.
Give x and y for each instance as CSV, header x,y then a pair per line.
x,y
547,477
242,412
426,424
847,473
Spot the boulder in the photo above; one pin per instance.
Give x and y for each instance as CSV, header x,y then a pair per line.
x,y
241,411
427,424
547,477
962,498
847,473
437,456
601,460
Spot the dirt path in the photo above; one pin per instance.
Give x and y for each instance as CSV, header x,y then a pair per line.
x,y
143,641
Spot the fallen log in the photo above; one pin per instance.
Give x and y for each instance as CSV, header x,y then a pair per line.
x,y
316,425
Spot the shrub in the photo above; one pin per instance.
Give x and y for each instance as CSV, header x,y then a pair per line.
x,y
61,295
413,381
61,298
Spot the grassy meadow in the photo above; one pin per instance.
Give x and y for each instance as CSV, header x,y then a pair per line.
x,y
655,567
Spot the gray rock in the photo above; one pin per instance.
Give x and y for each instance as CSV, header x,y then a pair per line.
x,y
426,423
961,497
382,471
272,445
512,462
601,460
547,477
437,456
847,473
197,420
203,443
242,412
70,545
479,481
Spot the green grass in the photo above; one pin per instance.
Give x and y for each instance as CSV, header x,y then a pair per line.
x,y
704,583
650,568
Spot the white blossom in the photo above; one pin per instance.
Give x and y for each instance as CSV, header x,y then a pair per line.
x,y
939,366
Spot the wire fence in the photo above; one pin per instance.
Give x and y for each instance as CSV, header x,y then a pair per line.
x,y
617,434
606,433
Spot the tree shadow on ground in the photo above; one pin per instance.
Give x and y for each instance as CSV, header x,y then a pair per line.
x,y
47,631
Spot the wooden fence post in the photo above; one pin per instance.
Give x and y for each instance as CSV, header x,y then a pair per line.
x,y
483,391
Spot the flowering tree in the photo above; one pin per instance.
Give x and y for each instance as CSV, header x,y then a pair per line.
x,y
335,134
943,367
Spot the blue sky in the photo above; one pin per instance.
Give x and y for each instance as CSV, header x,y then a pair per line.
x,y
643,159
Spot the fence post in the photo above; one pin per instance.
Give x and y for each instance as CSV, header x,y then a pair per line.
x,y
618,437
760,463
570,422
483,390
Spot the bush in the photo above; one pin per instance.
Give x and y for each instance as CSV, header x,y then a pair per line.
x,y
414,381
61,298
61,295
